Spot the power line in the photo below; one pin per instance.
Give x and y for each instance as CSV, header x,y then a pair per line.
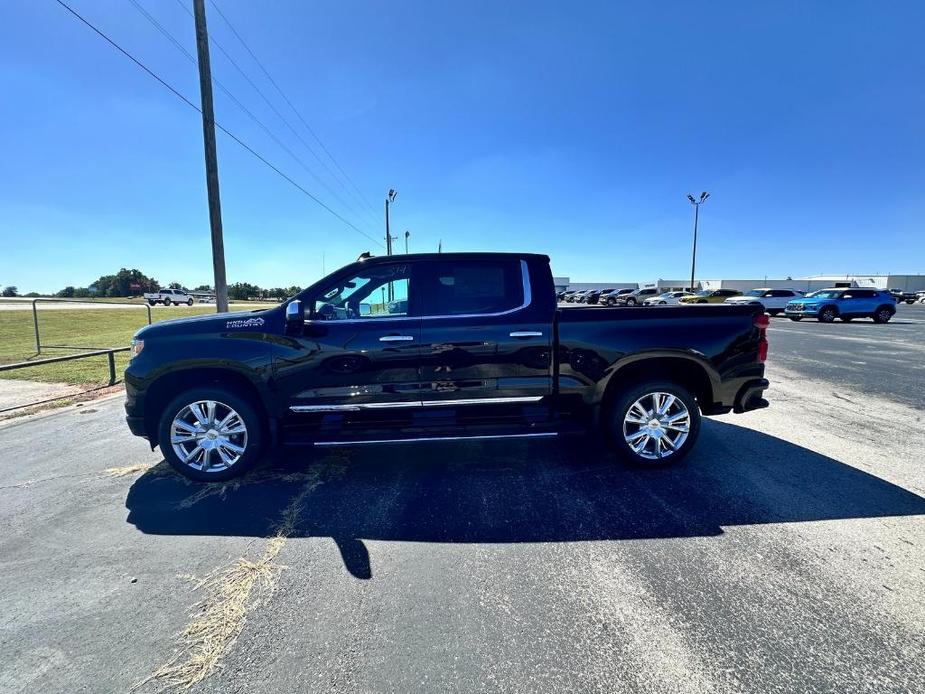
x,y
218,125
355,195
290,104
189,56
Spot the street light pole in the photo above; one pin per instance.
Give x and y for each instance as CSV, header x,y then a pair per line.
x,y
389,199
208,137
407,234
696,204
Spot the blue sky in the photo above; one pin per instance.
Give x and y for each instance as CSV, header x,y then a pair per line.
x,y
573,129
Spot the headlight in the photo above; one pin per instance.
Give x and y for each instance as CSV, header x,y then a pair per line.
x,y
137,346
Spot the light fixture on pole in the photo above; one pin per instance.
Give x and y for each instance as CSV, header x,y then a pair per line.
x,y
389,199
407,234
696,204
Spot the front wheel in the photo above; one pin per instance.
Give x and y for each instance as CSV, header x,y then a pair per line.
x,y
654,424
827,315
631,301
166,302
210,434
151,302
795,319
189,302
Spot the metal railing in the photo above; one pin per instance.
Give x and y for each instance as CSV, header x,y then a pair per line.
x,y
35,324
109,353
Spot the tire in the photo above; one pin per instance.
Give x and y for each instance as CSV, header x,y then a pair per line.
x,y
631,302
626,421
189,302
827,315
882,315
166,302
774,312
225,461
795,319
152,302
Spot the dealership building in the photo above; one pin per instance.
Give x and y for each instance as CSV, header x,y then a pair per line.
x,y
906,283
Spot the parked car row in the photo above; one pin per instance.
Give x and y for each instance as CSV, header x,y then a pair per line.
x,y
825,305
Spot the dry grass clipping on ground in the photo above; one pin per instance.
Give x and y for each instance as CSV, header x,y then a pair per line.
x,y
231,592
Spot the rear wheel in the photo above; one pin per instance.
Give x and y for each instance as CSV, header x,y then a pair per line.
x,y
827,314
882,315
210,434
795,318
189,302
166,302
654,423
631,301
151,302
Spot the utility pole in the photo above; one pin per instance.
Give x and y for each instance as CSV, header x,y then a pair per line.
x,y
696,204
208,137
407,234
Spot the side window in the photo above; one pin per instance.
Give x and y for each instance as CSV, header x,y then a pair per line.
x,y
472,287
380,291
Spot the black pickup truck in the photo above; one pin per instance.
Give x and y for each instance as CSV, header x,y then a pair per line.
x,y
452,346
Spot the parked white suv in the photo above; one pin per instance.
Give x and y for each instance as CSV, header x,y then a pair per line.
x,y
773,300
666,299
169,296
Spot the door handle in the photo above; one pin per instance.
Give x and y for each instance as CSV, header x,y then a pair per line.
x,y
526,333
396,338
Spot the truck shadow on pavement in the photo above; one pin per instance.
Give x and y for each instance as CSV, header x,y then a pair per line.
x,y
517,491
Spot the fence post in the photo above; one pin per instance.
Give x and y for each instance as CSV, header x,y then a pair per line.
x,y
112,367
148,306
35,324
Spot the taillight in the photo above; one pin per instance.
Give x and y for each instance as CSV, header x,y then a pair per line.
x,y
762,321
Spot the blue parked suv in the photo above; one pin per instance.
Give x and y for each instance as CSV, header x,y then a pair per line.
x,y
828,304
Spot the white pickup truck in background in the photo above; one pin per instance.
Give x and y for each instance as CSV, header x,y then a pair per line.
x,y
168,297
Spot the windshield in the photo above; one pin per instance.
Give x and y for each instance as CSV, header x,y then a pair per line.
x,y
825,294
704,292
754,292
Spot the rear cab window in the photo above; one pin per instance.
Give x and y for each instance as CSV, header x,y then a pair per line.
x,y
472,287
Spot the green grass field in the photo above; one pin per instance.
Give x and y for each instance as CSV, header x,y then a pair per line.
x,y
102,328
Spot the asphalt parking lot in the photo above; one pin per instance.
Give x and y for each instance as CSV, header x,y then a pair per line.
x,y
787,553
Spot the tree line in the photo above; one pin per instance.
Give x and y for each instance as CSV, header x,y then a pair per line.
x,y
127,283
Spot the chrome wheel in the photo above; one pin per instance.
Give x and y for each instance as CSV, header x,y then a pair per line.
x,y
656,425
208,436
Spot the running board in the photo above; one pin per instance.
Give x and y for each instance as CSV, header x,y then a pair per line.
x,y
424,439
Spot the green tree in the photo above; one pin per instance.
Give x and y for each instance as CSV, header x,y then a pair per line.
x,y
125,283
66,293
203,288
11,291
242,291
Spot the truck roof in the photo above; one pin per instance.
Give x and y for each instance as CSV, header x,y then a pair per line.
x,y
472,255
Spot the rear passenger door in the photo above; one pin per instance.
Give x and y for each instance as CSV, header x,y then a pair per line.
x,y
485,340
858,302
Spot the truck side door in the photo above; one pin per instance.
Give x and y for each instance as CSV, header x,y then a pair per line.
x,y
359,348
485,339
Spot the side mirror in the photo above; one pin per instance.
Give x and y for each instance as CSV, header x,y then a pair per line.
x,y
294,313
